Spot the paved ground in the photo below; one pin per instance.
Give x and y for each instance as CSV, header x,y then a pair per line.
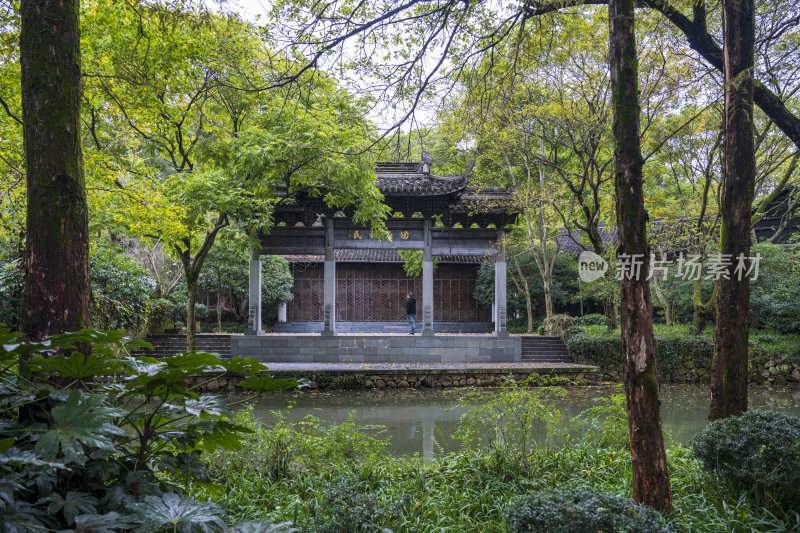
x,y
444,367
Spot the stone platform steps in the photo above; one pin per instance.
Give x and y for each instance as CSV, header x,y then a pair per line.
x,y
544,349
166,345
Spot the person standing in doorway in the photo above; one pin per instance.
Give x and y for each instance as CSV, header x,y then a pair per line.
x,y
411,311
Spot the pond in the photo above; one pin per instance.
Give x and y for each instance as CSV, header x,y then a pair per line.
x,y
422,421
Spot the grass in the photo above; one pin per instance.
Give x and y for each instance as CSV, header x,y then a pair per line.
x,y
320,478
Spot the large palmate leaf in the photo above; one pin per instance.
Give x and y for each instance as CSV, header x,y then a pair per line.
x,y
172,511
263,526
79,424
207,405
265,383
194,362
73,504
245,365
78,365
103,523
17,457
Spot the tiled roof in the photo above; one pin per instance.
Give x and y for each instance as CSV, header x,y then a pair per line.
x,y
401,178
377,256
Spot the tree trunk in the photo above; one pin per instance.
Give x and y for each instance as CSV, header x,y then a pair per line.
x,y
56,294
219,303
526,291
729,370
191,329
609,309
548,295
701,312
668,306
642,395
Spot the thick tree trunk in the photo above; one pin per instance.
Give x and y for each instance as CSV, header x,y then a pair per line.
x,y
56,295
642,395
729,370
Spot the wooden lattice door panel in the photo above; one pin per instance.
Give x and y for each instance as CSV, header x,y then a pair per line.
x,y
377,293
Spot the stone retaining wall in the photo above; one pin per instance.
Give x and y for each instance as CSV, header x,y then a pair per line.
x,y
378,348
432,379
764,370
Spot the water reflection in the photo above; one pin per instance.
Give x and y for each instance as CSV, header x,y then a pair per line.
x,y
422,421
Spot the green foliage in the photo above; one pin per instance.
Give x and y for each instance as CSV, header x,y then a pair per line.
x,y
605,424
348,504
288,449
580,511
594,319
516,418
759,449
104,442
675,353
775,293
11,283
412,262
563,288
469,490
121,290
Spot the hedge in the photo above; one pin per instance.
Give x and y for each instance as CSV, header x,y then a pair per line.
x,y
676,355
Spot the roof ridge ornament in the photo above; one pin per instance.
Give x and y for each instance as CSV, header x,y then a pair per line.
x,y
425,165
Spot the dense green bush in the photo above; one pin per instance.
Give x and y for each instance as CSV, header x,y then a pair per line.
x,y
121,290
580,510
107,442
348,504
286,449
594,319
775,293
675,353
11,281
760,449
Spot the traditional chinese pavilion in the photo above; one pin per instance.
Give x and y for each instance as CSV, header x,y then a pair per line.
x,y
343,275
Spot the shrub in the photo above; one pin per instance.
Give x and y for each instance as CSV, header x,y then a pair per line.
x,y
605,424
121,290
518,418
558,324
289,448
67,457
676,354
581,511
760,449
594,319
11,282
347,504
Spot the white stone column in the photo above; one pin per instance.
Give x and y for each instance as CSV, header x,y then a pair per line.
x,y
254,323
427,281
329,283
500,288
282,312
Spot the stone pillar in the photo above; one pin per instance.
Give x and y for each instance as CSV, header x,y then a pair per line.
x,y
500,288
254,323
329,283
427,281
282,312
